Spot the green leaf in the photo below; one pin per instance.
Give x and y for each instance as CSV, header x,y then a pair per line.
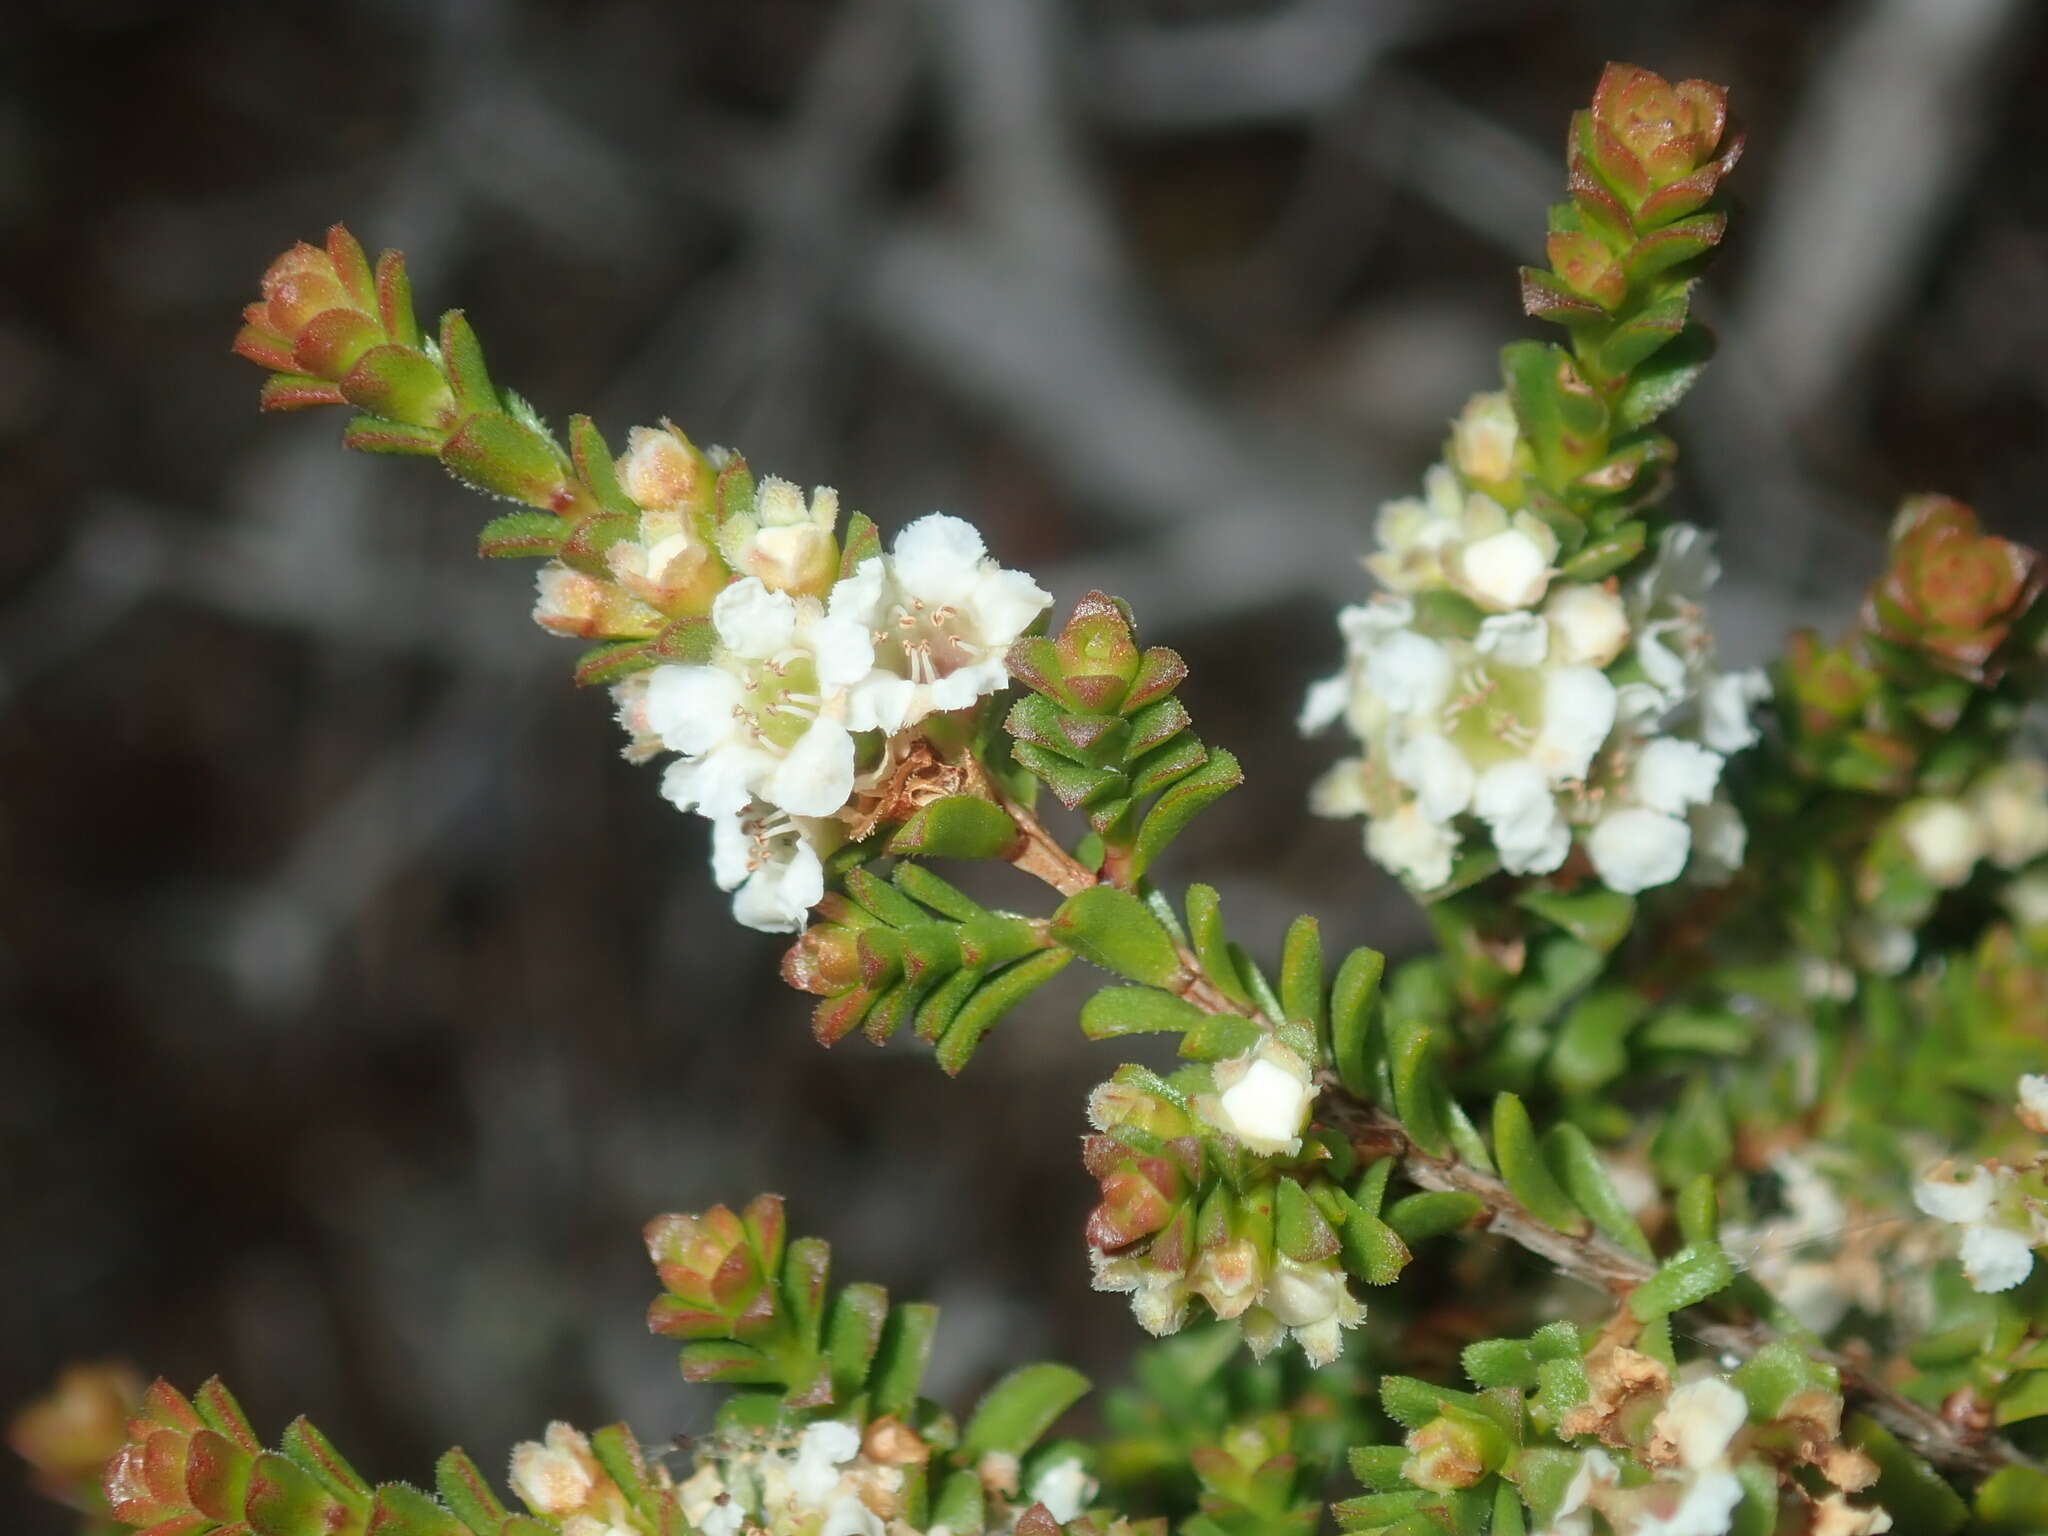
x,y
1418,1088
1688,1277
900,1359
465,1490
1171,813
1301,976
1372,1250
1520,1157
2024,1397
1596,917
853,1332
1579,1168
1561,416
1138,1011
1500,1363
957,827
1211,945
990,1001
1699,1210
1419,1217
1666,379
403,1510
1917,1498
1300,1231
462,359
1113,929
1603,556
1220,1036
1590,1051
1020,1408
1352,997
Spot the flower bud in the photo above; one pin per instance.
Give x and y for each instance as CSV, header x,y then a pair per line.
x,y
68,1436
1588,625
1943,839
1447,1454
709,1271
556,1476
663,472
1229,1276
1262,1100
1952,592
1139,1194
571,603
787,544
1484,439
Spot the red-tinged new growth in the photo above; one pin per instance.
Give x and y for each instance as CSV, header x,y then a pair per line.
x,y
1952,592
68,1436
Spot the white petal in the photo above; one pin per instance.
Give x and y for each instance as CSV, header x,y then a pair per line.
x,y
1438,773
1635,849
816,775
1578,713
937,558
1965,1203
1673,775
1324,704
1505,570
1411,845
1590,624
752,621
1944,839
1515,800
719,783
844,651
1003,604
1707,1508
1410,672
1700,1419
881,701
1995,1258
732,852
691,708
1724,709
2034,1095
859,597
1064,1489
1516,639
779,896
956,690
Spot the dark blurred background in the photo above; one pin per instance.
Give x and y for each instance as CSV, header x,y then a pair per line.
x,y
359,1003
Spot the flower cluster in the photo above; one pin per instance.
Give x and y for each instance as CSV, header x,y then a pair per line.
x,y
793,725
2002,1208
559,1478
1493,697
836,1480
1172,1229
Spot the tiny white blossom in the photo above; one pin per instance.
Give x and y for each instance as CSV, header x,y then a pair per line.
x,y
1505,570
941,615
1725,702
1672,775
1484,438
1835,1516
1578,714
555,1475
1515,801
1701,1419
820,1451
1314,1302
1944,840
1411,844
2011,806
1515,639
1064,1488
770,863
783,541
1589,624
1439,773
2001,1229
1635,848
2033,1111
1262,1099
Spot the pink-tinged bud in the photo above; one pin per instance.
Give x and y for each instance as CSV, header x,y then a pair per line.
x,y
571,603
1139,1194
663,471
556,1476
713,1269
1229,1276
1952,592
318,313
1649,151
68,1436
669,567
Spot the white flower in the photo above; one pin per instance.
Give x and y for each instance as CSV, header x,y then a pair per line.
x,y
1262,1099
1409,673
2034,1103
1228,1275
1725,703
770,862
1064,1488
1588,624
820,1452
1412,845
1701,1419
848,1516
1635,848
1673,775
1720,842
1437,771
1313,1302
2011,806
941,615
766,717
1505,570
1414,532
1515,639
555,1475
1515,801
2027,900
787,544
1578,714
1159,1298
2001,1228
1484,437
571,603
1944,840
1597,1472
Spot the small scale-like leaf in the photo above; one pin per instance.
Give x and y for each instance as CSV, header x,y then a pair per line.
x,y
1171,813
957,827
1115,1011
1020,1408
1113,929
1352,996
1520,1157
991,1000
900,1359
1579,1168
1688,1277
